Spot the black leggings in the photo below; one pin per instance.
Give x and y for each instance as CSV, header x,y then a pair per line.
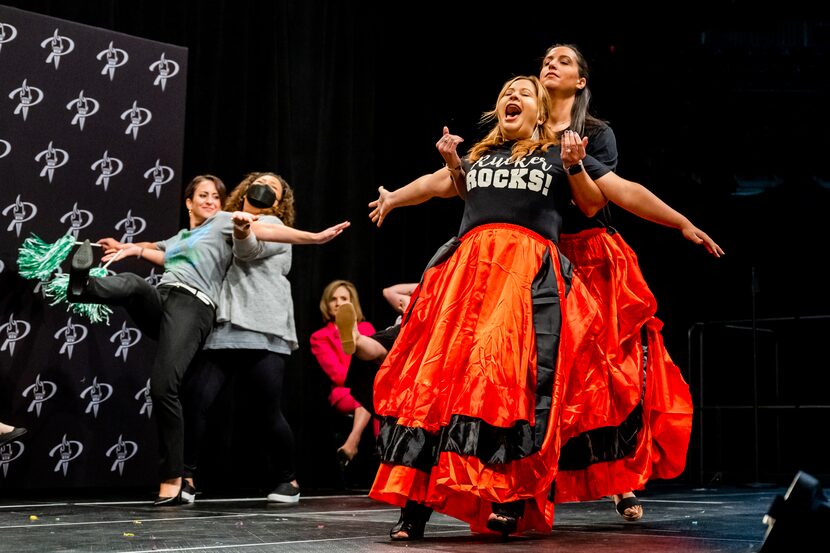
x,y
263,372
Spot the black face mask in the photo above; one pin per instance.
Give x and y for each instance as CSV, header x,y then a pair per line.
x,y
261,196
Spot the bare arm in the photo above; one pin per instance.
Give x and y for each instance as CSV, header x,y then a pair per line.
x,y
640,201
270,232
443,183
438,184
398,295
150,253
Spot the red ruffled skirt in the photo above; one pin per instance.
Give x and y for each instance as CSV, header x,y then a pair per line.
x,y
626,415
471,392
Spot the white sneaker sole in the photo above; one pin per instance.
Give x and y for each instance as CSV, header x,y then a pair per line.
x,y
276,498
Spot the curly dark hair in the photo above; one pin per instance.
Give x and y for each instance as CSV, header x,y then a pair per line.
x,y
285,206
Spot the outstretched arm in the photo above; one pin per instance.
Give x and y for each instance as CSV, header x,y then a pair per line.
x,y
443,183
139,250
438,184
243,223
640,201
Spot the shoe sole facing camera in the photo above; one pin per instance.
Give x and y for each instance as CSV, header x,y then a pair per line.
x,y
345,319
79,270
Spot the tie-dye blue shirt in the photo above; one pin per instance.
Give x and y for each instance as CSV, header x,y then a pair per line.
x,y
200,257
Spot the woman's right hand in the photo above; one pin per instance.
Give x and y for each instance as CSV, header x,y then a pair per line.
x,y
381,207
111,245
330,233
125,250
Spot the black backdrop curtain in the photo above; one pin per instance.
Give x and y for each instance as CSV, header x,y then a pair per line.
x,y
340,98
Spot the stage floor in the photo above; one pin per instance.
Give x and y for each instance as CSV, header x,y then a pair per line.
x,y
687,520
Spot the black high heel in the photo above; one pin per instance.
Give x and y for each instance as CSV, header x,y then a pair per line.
x,y
414,517
168,501
186,496
79,270
506,517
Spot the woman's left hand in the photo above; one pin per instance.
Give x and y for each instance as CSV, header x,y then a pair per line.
x,y
573,148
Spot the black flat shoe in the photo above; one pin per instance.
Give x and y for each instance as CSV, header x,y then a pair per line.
x,y
413,519
79,269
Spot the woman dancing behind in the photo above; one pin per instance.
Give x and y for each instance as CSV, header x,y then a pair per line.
x,y
469,394
253,337
179,313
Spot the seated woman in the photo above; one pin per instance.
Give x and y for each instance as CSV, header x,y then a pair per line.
x,y
335,360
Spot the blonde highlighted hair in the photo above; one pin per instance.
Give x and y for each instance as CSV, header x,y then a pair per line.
x,y
543,138
328,294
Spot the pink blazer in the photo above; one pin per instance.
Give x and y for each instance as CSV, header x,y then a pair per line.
x,y
325,345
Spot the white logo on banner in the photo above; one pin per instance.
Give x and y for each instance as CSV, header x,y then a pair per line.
x,y
84,106
144,395
72,333
8,453
67,450
58,46
138,118
132,226
78,219
7,33
21,212
165,69
5,148
27,96
15,330
162,174
153,278
127,337
42,391
123,450
54,158
98,394
116,57
109,167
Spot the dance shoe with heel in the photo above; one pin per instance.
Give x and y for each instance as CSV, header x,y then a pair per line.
x,y
629,508
410,526
186,496
505,517
79,269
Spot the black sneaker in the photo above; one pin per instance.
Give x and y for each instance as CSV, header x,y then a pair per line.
x,y
285,493
79,270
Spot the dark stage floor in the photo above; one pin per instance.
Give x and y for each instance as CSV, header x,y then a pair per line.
x,y
687,520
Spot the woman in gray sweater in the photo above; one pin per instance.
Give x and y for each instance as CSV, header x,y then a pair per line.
x,y
253,336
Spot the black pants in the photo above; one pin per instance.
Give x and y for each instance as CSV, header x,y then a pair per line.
x,y
180,322
263,372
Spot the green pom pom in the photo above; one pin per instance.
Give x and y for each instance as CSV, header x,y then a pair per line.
x,y
38,259
56,289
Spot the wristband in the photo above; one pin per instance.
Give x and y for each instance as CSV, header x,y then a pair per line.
x,y
575,169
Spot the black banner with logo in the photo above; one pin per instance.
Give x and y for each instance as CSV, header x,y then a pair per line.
x,y
91,142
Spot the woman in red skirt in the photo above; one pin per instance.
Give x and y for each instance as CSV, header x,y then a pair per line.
x,y
470,393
